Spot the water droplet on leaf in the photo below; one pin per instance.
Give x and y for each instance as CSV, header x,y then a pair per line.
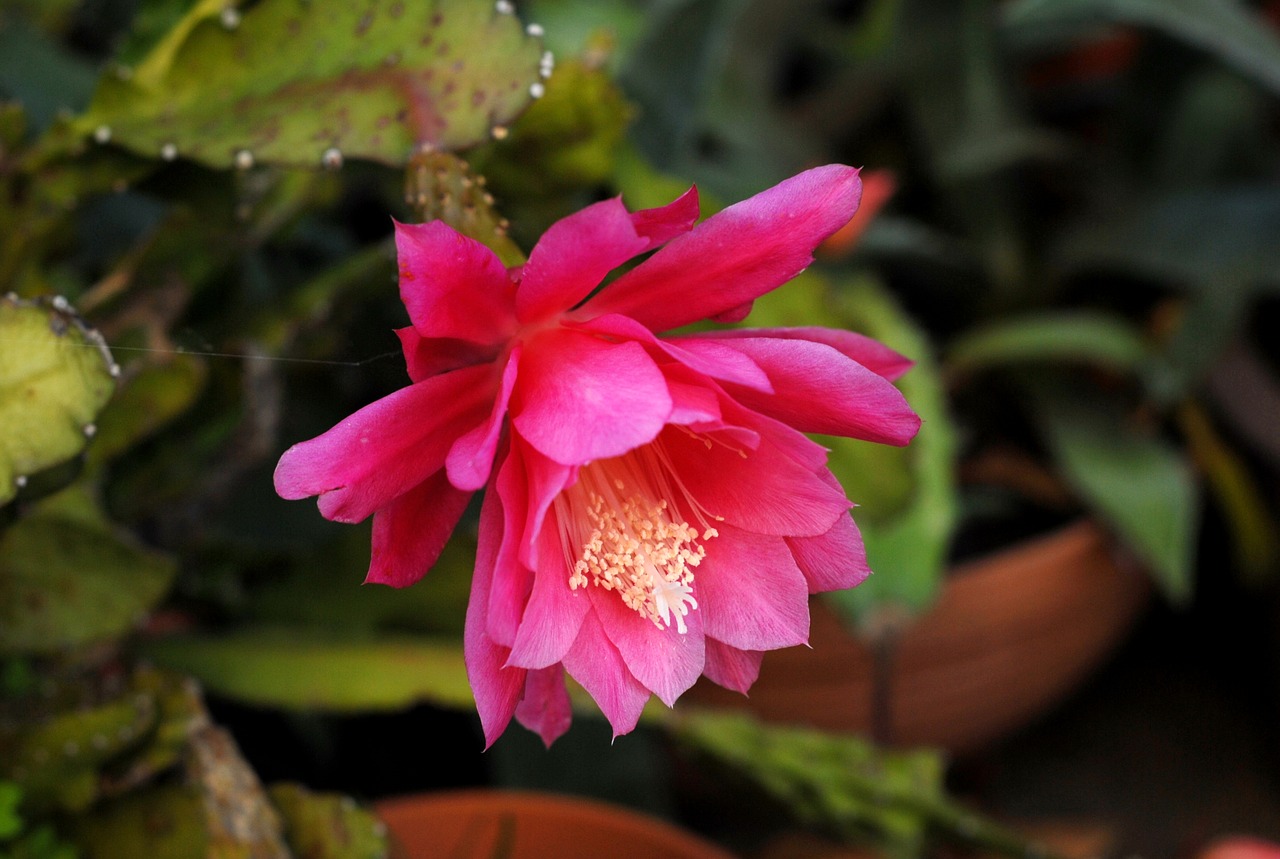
x,y
102,134
168,152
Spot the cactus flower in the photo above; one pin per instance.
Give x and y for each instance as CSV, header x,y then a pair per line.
x,y
653,510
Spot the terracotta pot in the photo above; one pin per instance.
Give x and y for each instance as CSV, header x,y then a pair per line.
x,y
1011,635
521,825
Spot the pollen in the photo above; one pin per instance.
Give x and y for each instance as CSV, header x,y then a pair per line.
x,y
624,532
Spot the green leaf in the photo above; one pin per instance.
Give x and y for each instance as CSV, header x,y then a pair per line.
x,y
327,825
285,667
1225,28
1142,486
1198,240
10,800
151,396
297,83
55,375
1059,336
68,578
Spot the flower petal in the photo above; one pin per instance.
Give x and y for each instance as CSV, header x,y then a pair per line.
x,y
817,389
750,592
598,667
736,255
710,359
867,351
453,286
573,256
513,579
411,531
665,660
425,357
581,398
834,560
554,612
664,223
544,708
386,448
732,668
495,686
764,490
471,458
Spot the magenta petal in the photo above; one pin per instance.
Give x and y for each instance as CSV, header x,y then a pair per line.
x,y
581,398
495,686
451,285
870,353
425,357
545,480
513,580
554,612
665,660
732,668
385,449
471,457
763,491
664,223
573,256
834,560
750,592
710,359
598,667
544,707
736,255
817,389
410,532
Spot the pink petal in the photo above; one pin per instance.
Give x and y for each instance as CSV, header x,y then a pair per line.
x,y
834,560
471,457
573,256
385,449
710,359
513,580
763,491
732,668
816,389
453,286
496,687
870,353
693,404
598,667
664,223
750,592
544,707
734,314
663,659
737,255
425,357
554,612
581,398
546,479
411,531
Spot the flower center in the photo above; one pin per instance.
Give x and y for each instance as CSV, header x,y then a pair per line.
x,y
623,531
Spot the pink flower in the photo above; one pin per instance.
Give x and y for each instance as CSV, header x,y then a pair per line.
x,y
653,509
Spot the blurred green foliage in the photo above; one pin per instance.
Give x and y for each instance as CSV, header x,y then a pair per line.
x,y
1079,256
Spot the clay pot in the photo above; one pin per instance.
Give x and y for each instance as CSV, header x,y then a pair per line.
x,y
1011,635
526,825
